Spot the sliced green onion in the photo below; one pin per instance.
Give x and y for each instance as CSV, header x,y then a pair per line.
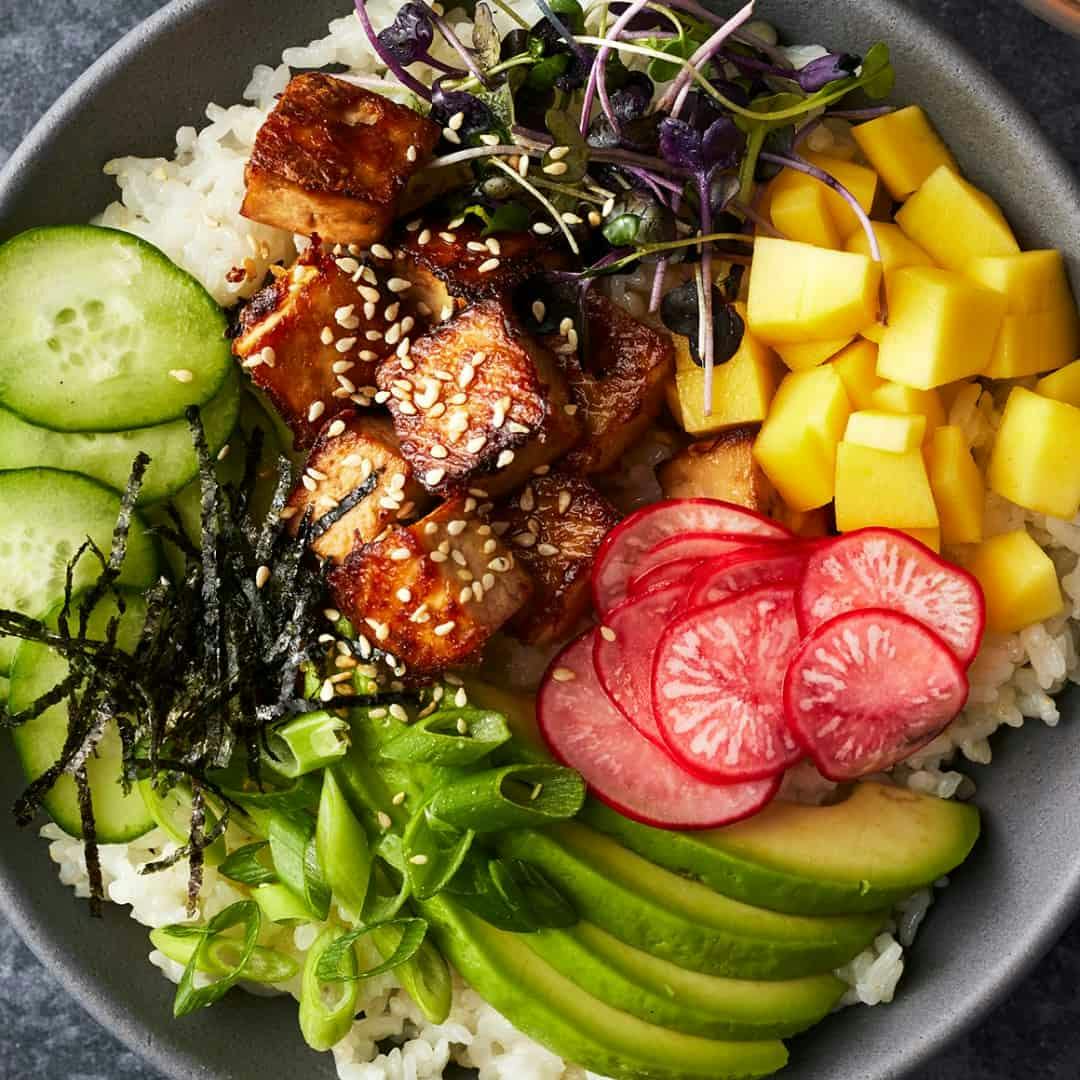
x,y
513,797
309,743
425,976
171,811
383,905
279,904
434,853
189,999
245,866
451,737
343,849
267,966
327,1012
296,859
337,962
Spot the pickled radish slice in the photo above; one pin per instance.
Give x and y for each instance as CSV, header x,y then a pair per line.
x,y
869,688
684,549
719,579
680,572
882,568
624,649
622,768
717,686
622,549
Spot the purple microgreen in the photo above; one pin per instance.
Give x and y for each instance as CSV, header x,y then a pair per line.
x,y
387,57
719,147
825,70
476,117
680,312
856,116
597,76
656,294
408,38
708,353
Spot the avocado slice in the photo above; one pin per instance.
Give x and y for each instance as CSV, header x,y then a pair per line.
x,y
548,1007
663,993
863,854
683,921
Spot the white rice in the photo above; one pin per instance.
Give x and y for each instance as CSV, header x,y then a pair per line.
x,y
187,205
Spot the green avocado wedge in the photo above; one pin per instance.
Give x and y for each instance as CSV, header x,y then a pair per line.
x,y
547,1006
863,854
683,921
663,993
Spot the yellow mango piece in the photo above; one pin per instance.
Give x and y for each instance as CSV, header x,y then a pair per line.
x,y
886,431
892,397
954,222
861,181
1041,330
796,446
1063,385
800,210
878,487
904,148
875,332
742,388
1018,580
897,250
942,327
857,368
930,537
801,357
1036,457
958,487
801,293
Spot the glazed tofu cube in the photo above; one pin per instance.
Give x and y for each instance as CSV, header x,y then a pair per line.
x,y
314,338
555,525
432,594
356,475
478,403
332,159
618,386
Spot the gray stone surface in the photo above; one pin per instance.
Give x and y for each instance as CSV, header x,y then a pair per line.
x,y
44,45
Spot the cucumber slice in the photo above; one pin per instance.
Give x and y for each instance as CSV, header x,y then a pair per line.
x,y
119,818
107,456
103,332
47,516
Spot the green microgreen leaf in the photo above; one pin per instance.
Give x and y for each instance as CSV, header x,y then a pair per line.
x,y
572,160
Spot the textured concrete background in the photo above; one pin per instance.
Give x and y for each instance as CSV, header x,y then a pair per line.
x,y
44,45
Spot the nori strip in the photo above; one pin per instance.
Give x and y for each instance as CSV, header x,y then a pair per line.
x,y
350,502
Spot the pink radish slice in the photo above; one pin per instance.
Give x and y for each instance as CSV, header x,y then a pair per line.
x,y
622,768
623,547
886,569
869,688
717,686
624,649
680,572
720,579
690,546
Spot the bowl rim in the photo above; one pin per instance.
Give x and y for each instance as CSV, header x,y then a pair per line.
x,y
78,981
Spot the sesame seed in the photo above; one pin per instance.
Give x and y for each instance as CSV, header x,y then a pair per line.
x,y
459,558
391,313
348,266
542,228
448,237
571,219
466,376
523,165
402,350
475,245
404,595
565,499
424,238
547,550
345,344
465,595
344,312
456,121
434,477
400,554
315,474
562,674
525,540
505,458
527,502
456,528
181,375
342,366
369,310
595,219
487,266
369,276
262,576
382,397
308,483
570,410
457,222
411,154
608,207
398,713
413,225
371,295
539,310
368,356
557,168
381,251
607,633
439,452
557,153
326,693
315,410
437,410
444,628
451,136
398,285
393,335
490,547
499,564
419,860
489,140
493,245
384,819
407,324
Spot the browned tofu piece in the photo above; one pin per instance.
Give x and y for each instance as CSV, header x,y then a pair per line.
x,y
432,594
478,403
332,159
472,266
555,525
355,472
619,384
724,468
315,336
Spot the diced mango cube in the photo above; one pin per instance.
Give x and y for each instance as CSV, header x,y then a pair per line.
x,y
954,222
886,431
892,397
875,332
742,388
800,210
897,250
801,357
942,327
797,443
1063,385
878,487
801,293
1036,458
861,181
1041,330
930,537
904,148
1018,580
958,487
857,368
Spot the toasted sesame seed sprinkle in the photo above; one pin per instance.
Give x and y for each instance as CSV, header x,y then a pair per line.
x,y
445,628
557,153
437,410
419,860
448,237
398,285
608,207
402,350
315,474
413,225
547,550
523,165
466,376
434,476
315,410
487,266
504,459
400,554
456,121
381,251
262,576
393,335
525,540
489,140
373,335
562,674
595,219
451,136
571,219
456,528
369,310
326,692
539,310
182,375
384,819
542,228
369,294
398,713
439,452
342,366
570,410
382,397
369,276
607,633
411,154
348,265
345,344
556,168
308,483
424,238
476,245
392,311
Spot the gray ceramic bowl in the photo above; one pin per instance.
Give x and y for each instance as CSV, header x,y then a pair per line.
x,y
1005,907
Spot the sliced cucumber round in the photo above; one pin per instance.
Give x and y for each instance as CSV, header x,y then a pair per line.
x,y
118,818
103,332
107,455
47,516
